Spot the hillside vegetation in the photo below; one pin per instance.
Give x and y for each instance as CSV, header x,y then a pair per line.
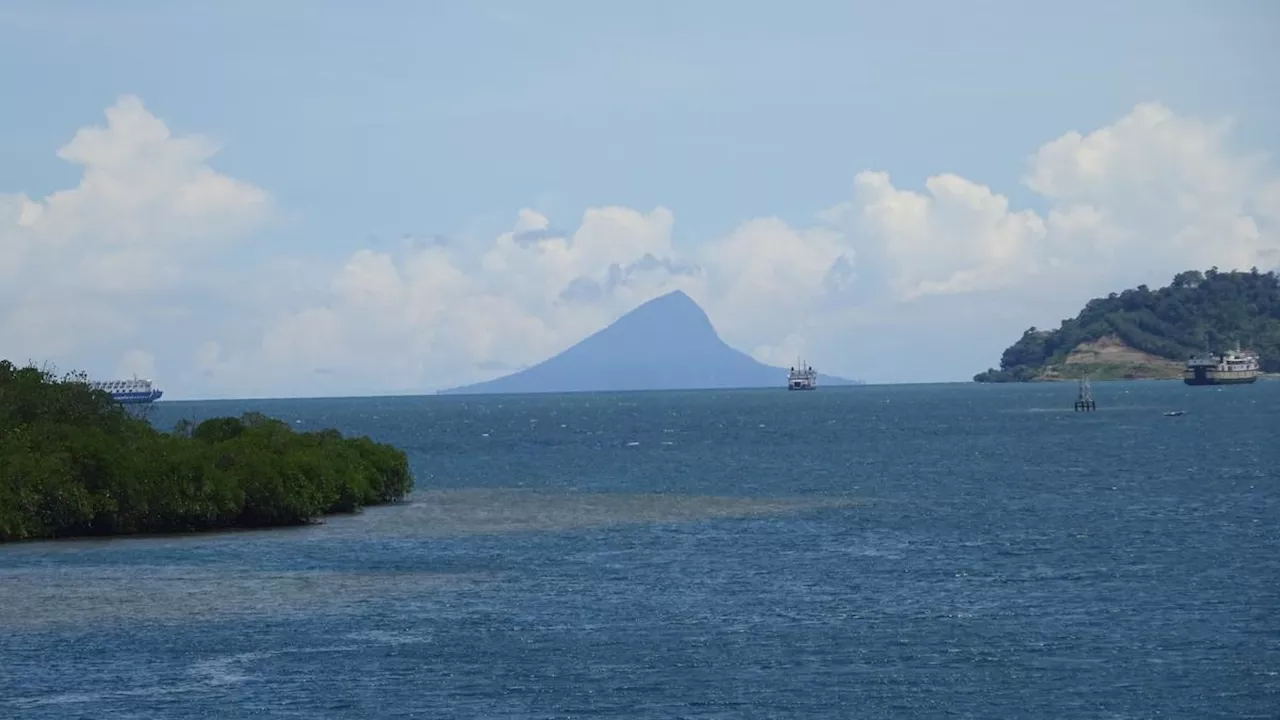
x,y
74,462
1198,311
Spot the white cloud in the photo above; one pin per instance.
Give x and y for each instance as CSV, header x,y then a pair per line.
x,y
869,289
1134,202
1155,191
78,267
430,315
763,279
961,237
892,284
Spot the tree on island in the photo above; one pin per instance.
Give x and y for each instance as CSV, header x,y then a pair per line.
x,y
75,462
1198,311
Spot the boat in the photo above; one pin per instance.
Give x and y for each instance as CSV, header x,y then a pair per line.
x,y
1223,368
1175,413
802,377
135,391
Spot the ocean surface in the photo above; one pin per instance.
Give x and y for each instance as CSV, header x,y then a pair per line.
x,y
950,551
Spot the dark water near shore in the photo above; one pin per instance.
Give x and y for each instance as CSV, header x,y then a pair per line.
x,y
927,551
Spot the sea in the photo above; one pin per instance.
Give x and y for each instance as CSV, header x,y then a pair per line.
x,y
913,551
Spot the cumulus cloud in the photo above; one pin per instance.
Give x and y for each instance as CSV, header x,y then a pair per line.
x,y
80,267
895,283
432,315
764,277
959,237
1134,202
872,285
1155,190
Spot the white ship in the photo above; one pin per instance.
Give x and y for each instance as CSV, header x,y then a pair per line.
x,y
1228,368
802,377
129,392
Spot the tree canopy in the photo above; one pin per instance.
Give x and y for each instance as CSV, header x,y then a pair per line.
x,y
75,462
1198,311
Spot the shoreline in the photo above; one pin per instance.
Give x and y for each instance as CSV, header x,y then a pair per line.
x,y
195,532
1261,377
69,479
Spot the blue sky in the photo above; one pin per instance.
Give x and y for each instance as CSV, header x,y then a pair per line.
x,y
366,123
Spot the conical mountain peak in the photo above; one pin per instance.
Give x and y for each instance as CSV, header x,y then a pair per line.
x,y
673,298
666,343
672,311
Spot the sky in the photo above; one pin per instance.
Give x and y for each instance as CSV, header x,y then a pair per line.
x,y
244,199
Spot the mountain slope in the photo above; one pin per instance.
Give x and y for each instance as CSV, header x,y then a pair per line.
x,y
1197,311
667,343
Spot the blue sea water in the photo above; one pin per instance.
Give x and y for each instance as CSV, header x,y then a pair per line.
x,y
870,552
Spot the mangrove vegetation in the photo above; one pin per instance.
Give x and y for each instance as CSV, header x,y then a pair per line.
x,y
74,462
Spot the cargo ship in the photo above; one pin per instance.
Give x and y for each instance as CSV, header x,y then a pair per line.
x,y
129,392
1225,368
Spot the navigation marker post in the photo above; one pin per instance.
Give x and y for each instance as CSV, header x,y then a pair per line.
x,y
1084,401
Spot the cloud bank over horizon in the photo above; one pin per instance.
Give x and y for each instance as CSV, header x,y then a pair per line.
x,y
157,264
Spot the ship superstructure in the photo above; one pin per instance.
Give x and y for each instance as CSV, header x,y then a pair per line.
x,y
1223,368
129,392
802,377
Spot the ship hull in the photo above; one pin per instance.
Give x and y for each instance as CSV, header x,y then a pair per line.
x,y
1229,368
1218,380
138,398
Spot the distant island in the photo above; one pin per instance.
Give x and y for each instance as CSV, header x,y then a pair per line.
x,y
1146,334
667,343
74,462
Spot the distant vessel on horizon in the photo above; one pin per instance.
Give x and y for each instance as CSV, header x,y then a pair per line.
x,y
129,392
1227,368
802,377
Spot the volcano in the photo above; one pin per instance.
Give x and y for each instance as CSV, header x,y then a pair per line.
x,y
667,343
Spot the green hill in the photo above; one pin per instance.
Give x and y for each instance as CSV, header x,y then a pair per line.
x,y
1141,333
74,462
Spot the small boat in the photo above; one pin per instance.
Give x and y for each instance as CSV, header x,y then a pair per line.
x,y
1175,413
